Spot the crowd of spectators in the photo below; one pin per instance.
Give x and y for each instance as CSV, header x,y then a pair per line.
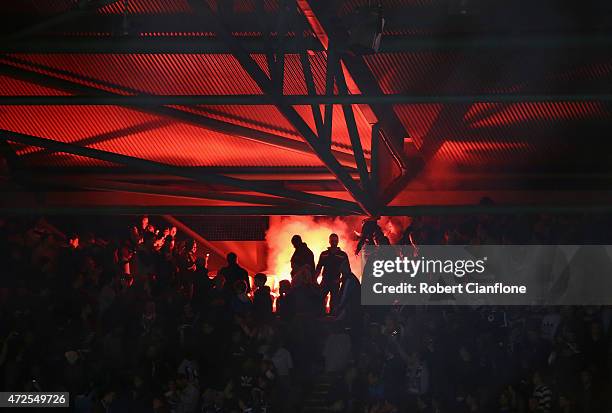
x,y
136,324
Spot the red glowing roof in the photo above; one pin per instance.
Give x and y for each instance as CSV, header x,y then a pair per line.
x,y
445,105
137,134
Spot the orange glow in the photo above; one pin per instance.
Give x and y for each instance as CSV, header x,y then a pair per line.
x,y
394,227
314,232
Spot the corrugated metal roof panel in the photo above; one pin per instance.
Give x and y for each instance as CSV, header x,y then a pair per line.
x,y
490,114
179,74
46,7
496,133
481,153
492,71
70,123
318,64
56,159
67,160
267,118
180,6
61,74
146,136
185,145
171,74
147,7
295,84
418,119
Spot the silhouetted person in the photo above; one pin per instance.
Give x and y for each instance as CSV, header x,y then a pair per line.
x,y
368,230
262,301
167,265
241,303
284,306
380,239
302,255
189,258
144,223
304,296
202,284
330,262
139,229
348,310
349,297
188,268
233,272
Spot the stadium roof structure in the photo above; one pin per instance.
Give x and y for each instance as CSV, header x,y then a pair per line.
x,y
263,107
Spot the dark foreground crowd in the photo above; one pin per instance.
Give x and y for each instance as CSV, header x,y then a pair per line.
x,y
135,324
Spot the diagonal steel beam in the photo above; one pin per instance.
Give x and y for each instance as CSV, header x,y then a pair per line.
x,y
351,125
141,45
265,28
331,70
393,130
56,80
285,21
361,78
265,84
174,191
25,209
310,87
103,137
152,166
208,45
374,145
42,209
